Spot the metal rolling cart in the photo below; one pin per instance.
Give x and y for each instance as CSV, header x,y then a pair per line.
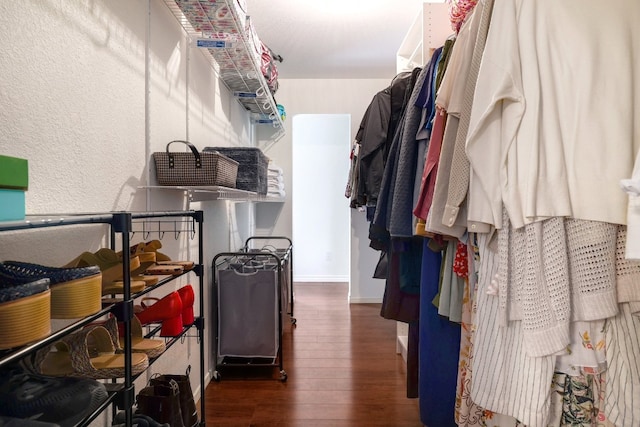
x,y
248,308
285,253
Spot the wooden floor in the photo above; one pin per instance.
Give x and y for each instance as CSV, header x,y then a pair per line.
x,y
342,369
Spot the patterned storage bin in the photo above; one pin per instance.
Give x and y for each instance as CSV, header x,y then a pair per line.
x,y
252,167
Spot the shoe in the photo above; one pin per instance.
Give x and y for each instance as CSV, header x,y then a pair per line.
x,y
21,422
165,270
162,403
187,297
138,419
147,259
110,265
148,279
25,311
139,344
187,402
45,400
167,311
88,353
75,292
162,259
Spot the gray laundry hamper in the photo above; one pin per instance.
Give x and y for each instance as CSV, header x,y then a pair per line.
x,y
248,305
247,314
281,246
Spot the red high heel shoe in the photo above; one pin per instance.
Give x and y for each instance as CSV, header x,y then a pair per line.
x,y
188,298
167,310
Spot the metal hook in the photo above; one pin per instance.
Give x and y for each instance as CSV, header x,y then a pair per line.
x,y
193,228
160,232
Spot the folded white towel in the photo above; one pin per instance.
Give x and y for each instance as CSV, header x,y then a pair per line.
x,y
273,168
276,193
275,186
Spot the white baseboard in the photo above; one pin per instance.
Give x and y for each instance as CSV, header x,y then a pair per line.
x,y
197,391
402,343
402,346
364,300
330,279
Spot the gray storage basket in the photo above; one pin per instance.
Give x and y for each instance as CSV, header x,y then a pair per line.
x,y
252,167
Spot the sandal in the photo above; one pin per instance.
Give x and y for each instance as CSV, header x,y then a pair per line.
x,y
147,259
25,311
111,266
165,270
139,344
75,292
88,353
162,259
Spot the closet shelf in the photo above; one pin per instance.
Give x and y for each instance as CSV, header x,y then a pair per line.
x,y
429,30
204,193
220,30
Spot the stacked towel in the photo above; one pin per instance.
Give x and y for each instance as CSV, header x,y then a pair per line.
x,y
275,181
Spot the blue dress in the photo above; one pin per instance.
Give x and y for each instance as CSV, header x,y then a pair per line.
x,y
439,350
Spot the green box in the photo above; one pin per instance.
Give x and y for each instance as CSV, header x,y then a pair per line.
x,y
12,205
14,173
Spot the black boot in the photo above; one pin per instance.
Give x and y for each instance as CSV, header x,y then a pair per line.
x,y
187,403
162,403
138,419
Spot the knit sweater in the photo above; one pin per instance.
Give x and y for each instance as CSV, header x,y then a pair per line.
x,y
552,272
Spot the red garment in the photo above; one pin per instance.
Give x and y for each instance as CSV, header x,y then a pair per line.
x,y
461,262
428,184
458,12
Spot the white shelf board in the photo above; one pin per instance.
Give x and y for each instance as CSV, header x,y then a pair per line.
x,y
214,192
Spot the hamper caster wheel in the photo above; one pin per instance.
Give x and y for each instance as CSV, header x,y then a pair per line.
x,y
293,321
283,376
216,376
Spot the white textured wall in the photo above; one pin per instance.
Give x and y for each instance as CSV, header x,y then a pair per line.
x,y
331,96
73,100
89,90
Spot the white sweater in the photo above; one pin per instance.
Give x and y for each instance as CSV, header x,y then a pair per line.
x,y
552,128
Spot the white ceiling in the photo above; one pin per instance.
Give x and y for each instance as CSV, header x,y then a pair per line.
x,y
334,38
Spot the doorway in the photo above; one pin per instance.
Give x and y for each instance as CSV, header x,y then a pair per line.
x,y
320,211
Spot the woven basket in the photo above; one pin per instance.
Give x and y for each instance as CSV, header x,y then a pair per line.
x,y
252,167
194,168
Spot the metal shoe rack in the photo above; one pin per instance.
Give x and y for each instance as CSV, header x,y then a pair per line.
x,y
251,289
122,226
